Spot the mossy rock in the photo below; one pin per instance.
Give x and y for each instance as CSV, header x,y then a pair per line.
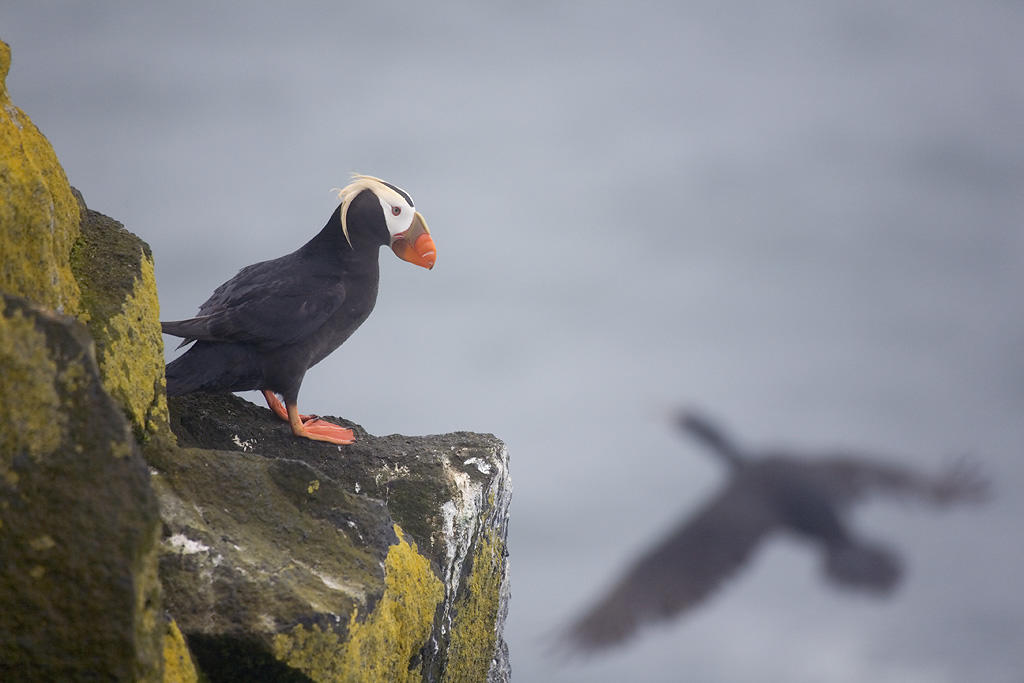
x,y
39,217
383,560
79,524
179,667
114,270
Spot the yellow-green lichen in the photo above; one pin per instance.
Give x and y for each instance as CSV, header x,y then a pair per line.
x,y
131,362
178,664
115,272
39,217
382,646
73,378
41,543
30,406
476,614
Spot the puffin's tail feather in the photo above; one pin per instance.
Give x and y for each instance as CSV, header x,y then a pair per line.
x,y
189,330
210,367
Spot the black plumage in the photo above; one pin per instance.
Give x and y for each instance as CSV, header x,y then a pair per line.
x,y
773,492
266,326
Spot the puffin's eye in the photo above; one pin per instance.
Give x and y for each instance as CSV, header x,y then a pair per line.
x,y
396,210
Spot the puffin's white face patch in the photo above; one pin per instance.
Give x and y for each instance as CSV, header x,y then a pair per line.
x,y
398,214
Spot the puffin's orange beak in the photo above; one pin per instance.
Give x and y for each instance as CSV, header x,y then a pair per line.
x,y
415,245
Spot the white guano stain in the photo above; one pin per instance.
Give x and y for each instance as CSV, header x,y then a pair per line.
x,y
482,465
185,545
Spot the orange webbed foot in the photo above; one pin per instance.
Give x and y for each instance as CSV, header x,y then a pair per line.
x,y
310,426
320,430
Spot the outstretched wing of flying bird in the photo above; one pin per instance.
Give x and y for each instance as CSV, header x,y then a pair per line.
x,y
680,571
849,478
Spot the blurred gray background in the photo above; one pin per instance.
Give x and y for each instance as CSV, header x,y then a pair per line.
x,y
803,217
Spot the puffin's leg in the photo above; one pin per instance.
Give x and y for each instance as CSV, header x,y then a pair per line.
x,y
278,408
275,405
316,429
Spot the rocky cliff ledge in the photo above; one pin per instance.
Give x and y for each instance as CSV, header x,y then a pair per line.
x,y
385,557
204,542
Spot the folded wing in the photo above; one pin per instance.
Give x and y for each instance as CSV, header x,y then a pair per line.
x,y
263,305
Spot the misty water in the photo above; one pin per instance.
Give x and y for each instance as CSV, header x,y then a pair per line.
x,y
803,218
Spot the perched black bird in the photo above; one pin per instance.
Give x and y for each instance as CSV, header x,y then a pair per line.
x,y
774,492
266,326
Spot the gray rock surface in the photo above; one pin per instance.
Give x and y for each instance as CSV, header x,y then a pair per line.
x,y
381,560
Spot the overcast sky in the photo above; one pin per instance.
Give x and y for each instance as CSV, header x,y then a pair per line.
x,y
803,217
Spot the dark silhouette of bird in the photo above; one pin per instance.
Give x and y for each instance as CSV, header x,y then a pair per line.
x,y
266,326
774,492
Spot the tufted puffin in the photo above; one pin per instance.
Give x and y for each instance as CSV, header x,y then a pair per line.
x,y
776,492
266,326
